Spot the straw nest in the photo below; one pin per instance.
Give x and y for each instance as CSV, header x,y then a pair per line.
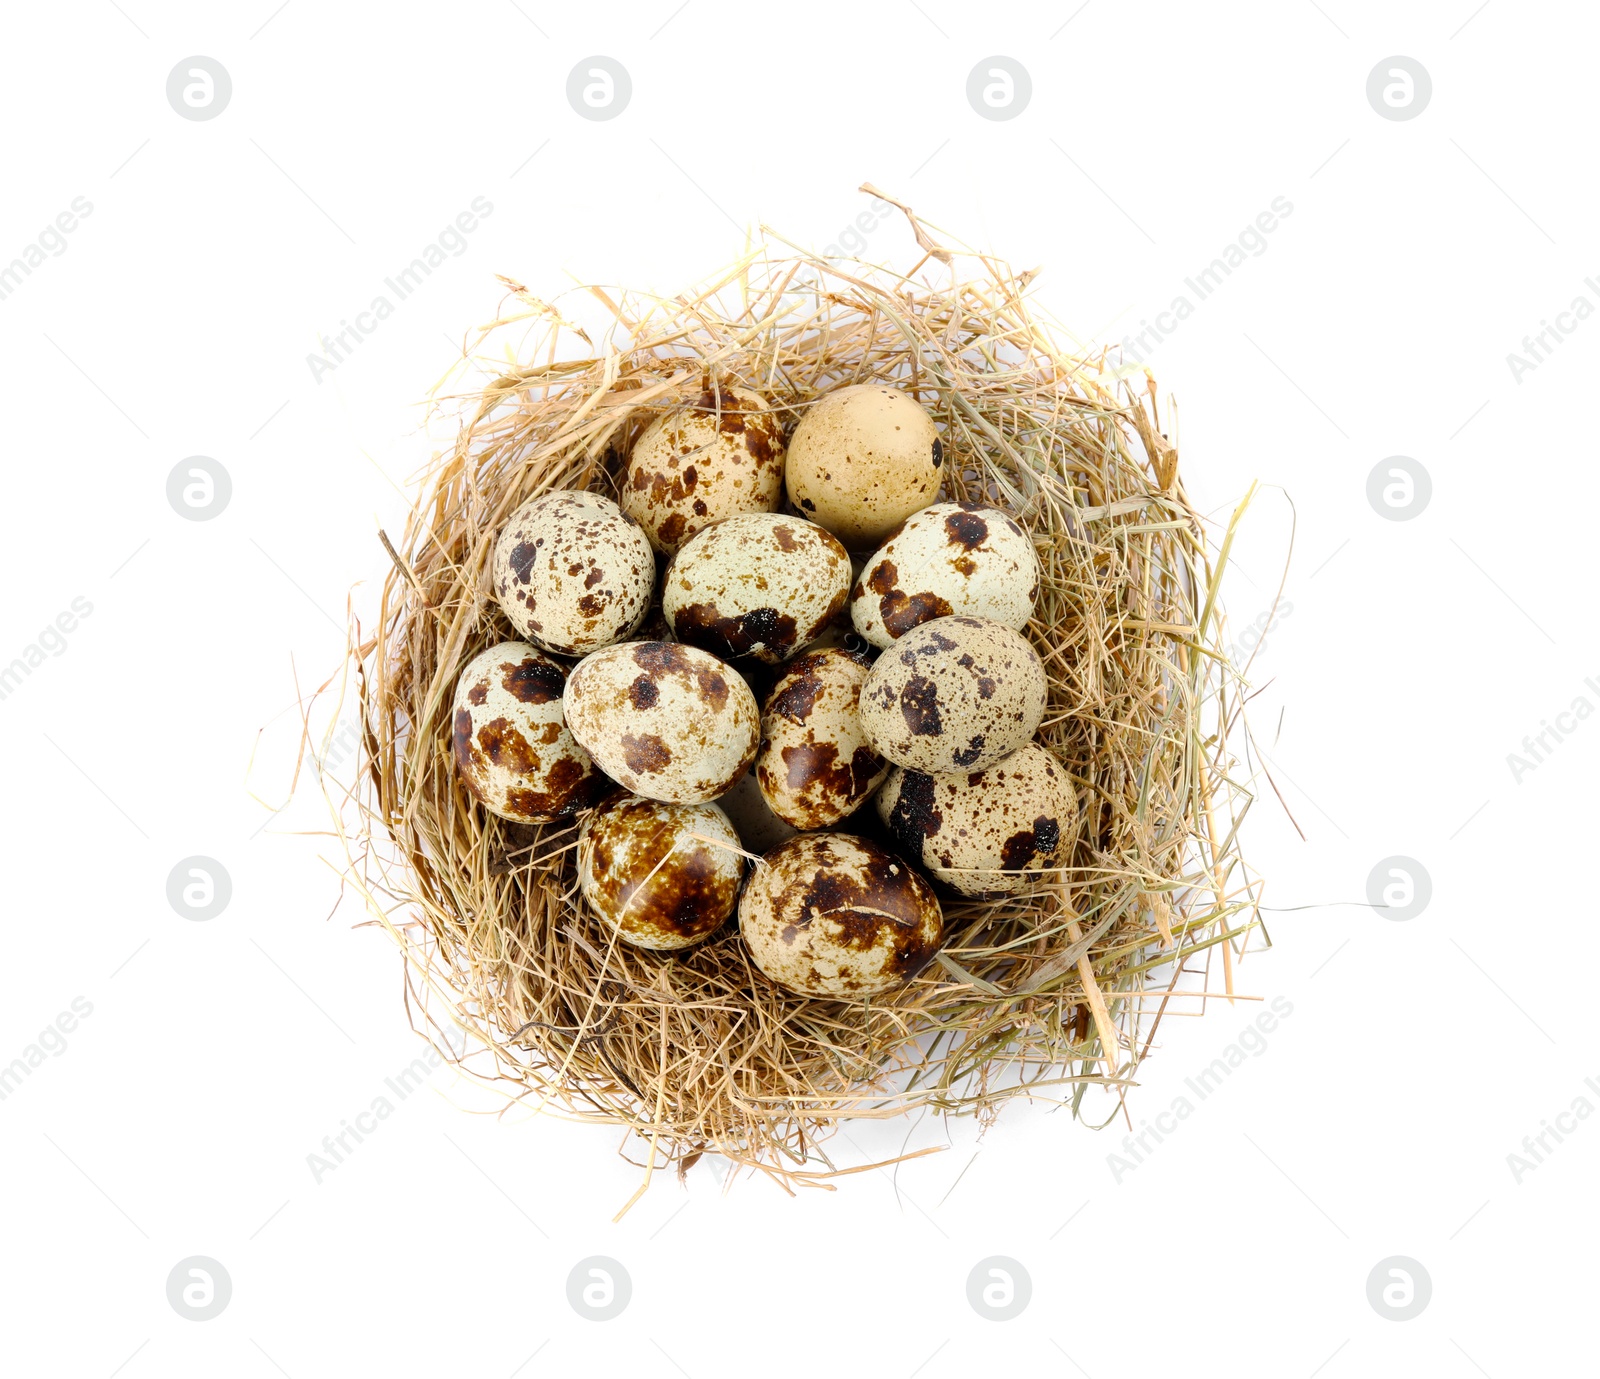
x,y
1042,995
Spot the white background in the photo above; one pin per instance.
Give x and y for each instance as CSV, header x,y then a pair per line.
x,y
178,1119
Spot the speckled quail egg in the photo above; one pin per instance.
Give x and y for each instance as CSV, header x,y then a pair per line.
x,y
573,572
815,765
956,694
512,751
669,722
830,914
862,460
950,558
752,816
986,833
760,584
698,464
661,875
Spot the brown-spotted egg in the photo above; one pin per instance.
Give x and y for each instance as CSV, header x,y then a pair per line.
x,y
698,464
956,694
948,558
815,765
986,833
573,571
830,914
862,460
662,875
759,584
512,751
670,722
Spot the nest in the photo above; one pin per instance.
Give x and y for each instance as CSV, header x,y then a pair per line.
x,y
1041,995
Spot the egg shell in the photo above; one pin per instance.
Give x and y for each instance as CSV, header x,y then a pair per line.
x,y
695,465
830,914
752,816
646,869
862,460
573,572
956,694
669,722
512,751
815,766
986,833
951,558
760,584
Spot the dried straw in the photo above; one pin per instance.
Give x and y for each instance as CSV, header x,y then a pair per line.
x,y
1041,995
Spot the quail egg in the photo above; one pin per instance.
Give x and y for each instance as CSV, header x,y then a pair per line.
x,y
698,464
830,914
862,460
669,722
760,584
949,558
990,832
573,572
662,875
512,751
815,765
956,694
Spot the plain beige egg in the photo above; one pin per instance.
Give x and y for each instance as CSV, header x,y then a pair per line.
x,y
986,833
663,876
695,465
956,694
815,766
830,914
862,460
669,722
760,584
512,751
947,559
573,572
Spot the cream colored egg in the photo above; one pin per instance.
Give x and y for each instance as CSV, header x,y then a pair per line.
x,y
698,464
663,876
830,914
752,816
862,460
956,694
987,833
815,766
512,751
669,722
950,558
573,572
759,584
